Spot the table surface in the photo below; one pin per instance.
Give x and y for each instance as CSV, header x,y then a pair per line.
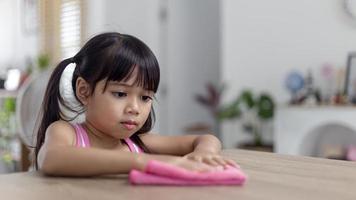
x,y
271,176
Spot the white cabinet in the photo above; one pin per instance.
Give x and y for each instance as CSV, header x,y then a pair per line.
x,y
301,130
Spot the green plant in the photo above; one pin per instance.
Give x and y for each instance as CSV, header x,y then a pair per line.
x,y
7,110
10,105
43,62
254,109
7,129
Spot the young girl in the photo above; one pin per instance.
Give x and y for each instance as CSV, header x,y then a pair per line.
x,y
114,81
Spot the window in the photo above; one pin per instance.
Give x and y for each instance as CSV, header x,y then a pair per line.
x,y
61,28
70,28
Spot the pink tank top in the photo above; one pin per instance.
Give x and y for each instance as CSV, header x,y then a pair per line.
x,y
82,140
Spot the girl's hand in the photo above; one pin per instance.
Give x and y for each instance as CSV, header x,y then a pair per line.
x,y
178,161
191,165
212,159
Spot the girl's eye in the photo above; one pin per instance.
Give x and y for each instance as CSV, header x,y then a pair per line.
x,y
146,98
119,94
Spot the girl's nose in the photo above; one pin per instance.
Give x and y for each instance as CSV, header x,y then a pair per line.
x,y
132,107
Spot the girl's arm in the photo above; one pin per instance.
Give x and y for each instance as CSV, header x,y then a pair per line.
x,y
59,156
180,145
201,148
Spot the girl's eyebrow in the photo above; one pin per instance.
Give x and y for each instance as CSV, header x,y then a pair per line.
x,y
124,85
120,84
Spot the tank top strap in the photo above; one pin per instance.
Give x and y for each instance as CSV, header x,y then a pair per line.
x,y
132,146
82,139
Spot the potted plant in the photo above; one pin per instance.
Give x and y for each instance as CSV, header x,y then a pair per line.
x,y
7,134
211,101
254,111
43,62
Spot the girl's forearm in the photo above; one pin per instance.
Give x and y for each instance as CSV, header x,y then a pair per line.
x,y
208,143
72,161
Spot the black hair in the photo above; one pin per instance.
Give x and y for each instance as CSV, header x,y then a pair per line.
x,y
111,56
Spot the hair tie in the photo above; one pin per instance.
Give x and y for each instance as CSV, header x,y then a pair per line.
x,y
67,93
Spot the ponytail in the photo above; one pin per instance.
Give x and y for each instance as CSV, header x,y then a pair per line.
x,y
50,110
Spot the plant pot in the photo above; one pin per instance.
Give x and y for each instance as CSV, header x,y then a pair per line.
x,y
254,147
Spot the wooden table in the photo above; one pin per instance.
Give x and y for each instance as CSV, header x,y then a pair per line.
x,y
271,176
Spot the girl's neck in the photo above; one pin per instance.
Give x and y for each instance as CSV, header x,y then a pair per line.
x,y
99,137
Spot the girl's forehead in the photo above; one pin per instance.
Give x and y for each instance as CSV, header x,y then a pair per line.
x,y
129,81
131,78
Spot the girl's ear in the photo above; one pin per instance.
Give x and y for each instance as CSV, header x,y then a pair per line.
x,y
82,90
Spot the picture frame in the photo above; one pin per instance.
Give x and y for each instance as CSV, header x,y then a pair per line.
x,y
350,79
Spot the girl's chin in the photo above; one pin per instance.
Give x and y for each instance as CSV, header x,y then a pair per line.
x,y
125,134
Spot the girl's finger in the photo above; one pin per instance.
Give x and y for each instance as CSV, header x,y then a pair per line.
x,y
221,161
195,158
198,159
210,161
232,163
202,167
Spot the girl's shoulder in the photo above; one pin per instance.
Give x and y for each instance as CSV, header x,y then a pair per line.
x,y
60,124
61,131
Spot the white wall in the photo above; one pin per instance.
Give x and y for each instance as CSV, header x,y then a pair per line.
x,y
193,59
7,39
264,40
16,43
135,17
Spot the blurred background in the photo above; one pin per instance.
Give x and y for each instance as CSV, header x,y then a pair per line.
x,y
275,75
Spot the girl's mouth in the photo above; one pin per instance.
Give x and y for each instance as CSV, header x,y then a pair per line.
x,y
129,125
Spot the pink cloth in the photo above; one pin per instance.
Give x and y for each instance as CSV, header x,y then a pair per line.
x,y
351,153
158,173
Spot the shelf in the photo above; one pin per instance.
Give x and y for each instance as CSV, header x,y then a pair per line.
x,y
6,93
302,130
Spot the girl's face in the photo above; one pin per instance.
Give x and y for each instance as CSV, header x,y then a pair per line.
x,y
121,110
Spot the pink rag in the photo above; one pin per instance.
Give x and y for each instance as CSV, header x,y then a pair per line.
x,y
351,153
158,173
